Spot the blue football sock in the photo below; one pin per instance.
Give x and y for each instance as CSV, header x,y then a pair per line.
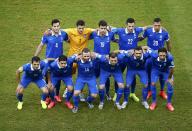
x,y
153,91
57,86
133,85
144,93
76,101
52,95
116,87
119,94
20,97
149,86
169,92
102,95
69,95
43,96
126,93
162,84
89,99
107,85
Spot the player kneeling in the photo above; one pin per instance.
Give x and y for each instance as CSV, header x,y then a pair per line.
x,y
32,73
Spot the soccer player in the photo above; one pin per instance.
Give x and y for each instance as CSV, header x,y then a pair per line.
x,y
111,67
33,72
78,40
156,39
61,69
162,65
136,66
86,75
102,39
128,39
54,47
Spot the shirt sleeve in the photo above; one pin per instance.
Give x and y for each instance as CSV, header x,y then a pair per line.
x,y
145,34
44,40
65,36
25,67
91,36
72,58
112,36
139,29
167,36
171,59
115,30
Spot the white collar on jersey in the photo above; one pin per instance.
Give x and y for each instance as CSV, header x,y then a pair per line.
x,y
84,61
33,69
160,31
107,33
136,58
163,61
126,31
52,33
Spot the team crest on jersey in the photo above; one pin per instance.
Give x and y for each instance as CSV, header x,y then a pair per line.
x,y
160,37
84,35
61,38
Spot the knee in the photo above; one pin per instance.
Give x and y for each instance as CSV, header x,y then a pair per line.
x,y
19,90
120,85
76,93
94,95
101,86
45,90
152,84
70,88
128,86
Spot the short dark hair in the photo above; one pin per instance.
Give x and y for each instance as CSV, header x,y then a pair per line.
x,y
35,58
62,58
55,21
102,23
85,50
157,20
162,50
130,20
112,54
138,48
80,22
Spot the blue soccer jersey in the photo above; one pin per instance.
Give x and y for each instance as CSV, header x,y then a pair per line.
x,y
31,75
162,66
102,43
29,72
106,65
137,64
86,69
156,40
107,69
54,44
57,71
128,40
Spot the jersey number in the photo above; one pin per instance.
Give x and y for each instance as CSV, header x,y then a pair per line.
x,y
102,44
56,45
155,43
130,41
86,69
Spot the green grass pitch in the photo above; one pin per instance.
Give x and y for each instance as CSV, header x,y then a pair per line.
x,y
22,25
